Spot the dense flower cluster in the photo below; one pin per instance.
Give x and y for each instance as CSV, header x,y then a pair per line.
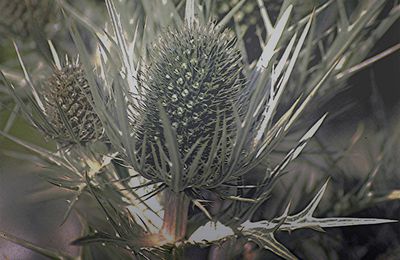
x,y
18,16
68,106
195,74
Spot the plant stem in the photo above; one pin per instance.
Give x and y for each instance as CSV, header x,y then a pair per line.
x,y
176,215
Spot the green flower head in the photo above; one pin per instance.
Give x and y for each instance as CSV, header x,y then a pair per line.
x,y
195,77
68,105
18,16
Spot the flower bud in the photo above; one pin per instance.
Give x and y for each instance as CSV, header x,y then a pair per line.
x,y
17,16
68,105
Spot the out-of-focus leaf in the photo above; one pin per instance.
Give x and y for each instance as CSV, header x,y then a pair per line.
x,y
51,254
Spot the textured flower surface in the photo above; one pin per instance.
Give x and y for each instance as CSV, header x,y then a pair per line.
x,y
249,14
17,16
68,106
195,75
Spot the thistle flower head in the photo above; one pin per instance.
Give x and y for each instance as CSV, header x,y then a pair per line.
x,y
195,76
249,14
17,15
68,106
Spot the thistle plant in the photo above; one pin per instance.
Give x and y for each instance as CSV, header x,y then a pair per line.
x,y
188,126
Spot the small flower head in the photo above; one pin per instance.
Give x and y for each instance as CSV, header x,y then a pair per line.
x,y
195,76
18,16
69,106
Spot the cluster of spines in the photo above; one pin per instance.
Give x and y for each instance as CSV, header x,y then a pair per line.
x,y
69,106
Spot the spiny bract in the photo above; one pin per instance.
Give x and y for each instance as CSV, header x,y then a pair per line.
x,y
195,74
68,106
17,16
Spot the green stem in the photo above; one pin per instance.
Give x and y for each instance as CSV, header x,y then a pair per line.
x,y
176,215
175,221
